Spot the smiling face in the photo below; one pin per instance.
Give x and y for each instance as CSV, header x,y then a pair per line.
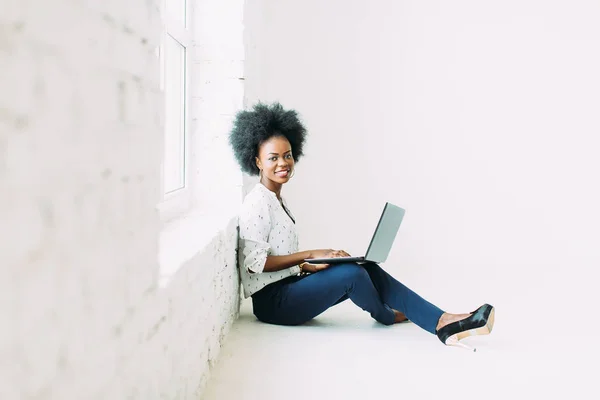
x,y
276,161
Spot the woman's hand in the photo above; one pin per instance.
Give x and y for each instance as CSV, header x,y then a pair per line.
x,y
328,253
308,267
323,253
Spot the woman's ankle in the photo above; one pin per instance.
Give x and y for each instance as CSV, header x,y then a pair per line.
x,y
447,319
399,316
443,321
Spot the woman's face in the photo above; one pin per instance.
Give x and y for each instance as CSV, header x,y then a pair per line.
x,y
276,160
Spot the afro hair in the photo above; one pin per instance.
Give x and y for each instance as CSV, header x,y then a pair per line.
x,y
252,128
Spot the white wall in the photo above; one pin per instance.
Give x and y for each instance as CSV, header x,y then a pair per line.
x,y
217,95
80,153
480,118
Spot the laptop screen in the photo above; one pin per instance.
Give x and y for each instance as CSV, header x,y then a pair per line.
x,y
385,233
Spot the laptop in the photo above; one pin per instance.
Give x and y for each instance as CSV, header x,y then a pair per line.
x,y
381,242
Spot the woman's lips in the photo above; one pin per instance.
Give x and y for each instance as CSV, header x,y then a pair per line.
x,y
283,173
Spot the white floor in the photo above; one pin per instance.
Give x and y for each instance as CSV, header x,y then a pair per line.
x,y
343,354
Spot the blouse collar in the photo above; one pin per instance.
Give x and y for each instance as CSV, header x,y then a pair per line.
x,y
271,193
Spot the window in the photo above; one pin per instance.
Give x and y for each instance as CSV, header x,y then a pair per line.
x,y
202,183
175,61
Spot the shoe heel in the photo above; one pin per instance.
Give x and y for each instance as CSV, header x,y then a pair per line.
x,y
490,323
454,341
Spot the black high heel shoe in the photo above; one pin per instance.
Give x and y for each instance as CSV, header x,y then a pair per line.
x,y
480,322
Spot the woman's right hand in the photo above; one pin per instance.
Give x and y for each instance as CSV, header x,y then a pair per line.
x,y
328,253
322,253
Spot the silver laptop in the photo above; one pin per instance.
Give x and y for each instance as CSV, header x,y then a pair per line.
x,y
381,242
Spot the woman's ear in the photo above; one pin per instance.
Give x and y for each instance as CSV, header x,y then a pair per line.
x,y
258,163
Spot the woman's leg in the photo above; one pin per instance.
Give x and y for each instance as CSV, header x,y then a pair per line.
x,y
401,298
301,300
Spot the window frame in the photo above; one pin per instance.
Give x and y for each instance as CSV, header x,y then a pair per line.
x,y
176,203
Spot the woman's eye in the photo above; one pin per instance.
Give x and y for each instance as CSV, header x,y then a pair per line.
x,y
273,158
289,156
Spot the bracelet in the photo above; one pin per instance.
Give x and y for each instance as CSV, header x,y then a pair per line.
x,y
301,265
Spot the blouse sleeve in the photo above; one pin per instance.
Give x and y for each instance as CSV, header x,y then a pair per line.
x,y
255,227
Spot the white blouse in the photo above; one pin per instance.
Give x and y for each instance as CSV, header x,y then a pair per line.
x,y
265,230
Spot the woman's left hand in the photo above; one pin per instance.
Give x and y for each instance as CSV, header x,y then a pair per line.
x,y
307,267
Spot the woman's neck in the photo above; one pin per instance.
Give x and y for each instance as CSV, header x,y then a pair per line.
x,y
273,187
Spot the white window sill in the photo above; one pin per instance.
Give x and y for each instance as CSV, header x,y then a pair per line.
x,y
183,238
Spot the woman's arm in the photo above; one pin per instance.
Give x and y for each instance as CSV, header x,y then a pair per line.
x,y
277,263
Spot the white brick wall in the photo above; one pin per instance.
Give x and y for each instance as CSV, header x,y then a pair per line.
x,y
80,153
217,94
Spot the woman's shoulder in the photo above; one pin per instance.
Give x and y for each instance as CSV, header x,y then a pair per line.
x,y
256,199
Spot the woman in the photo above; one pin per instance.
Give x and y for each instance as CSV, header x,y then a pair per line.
x,y
285,289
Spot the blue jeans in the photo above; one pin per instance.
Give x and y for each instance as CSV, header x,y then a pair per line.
x,y
297,299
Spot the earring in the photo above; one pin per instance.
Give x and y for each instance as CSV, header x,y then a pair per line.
x,y
293,173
